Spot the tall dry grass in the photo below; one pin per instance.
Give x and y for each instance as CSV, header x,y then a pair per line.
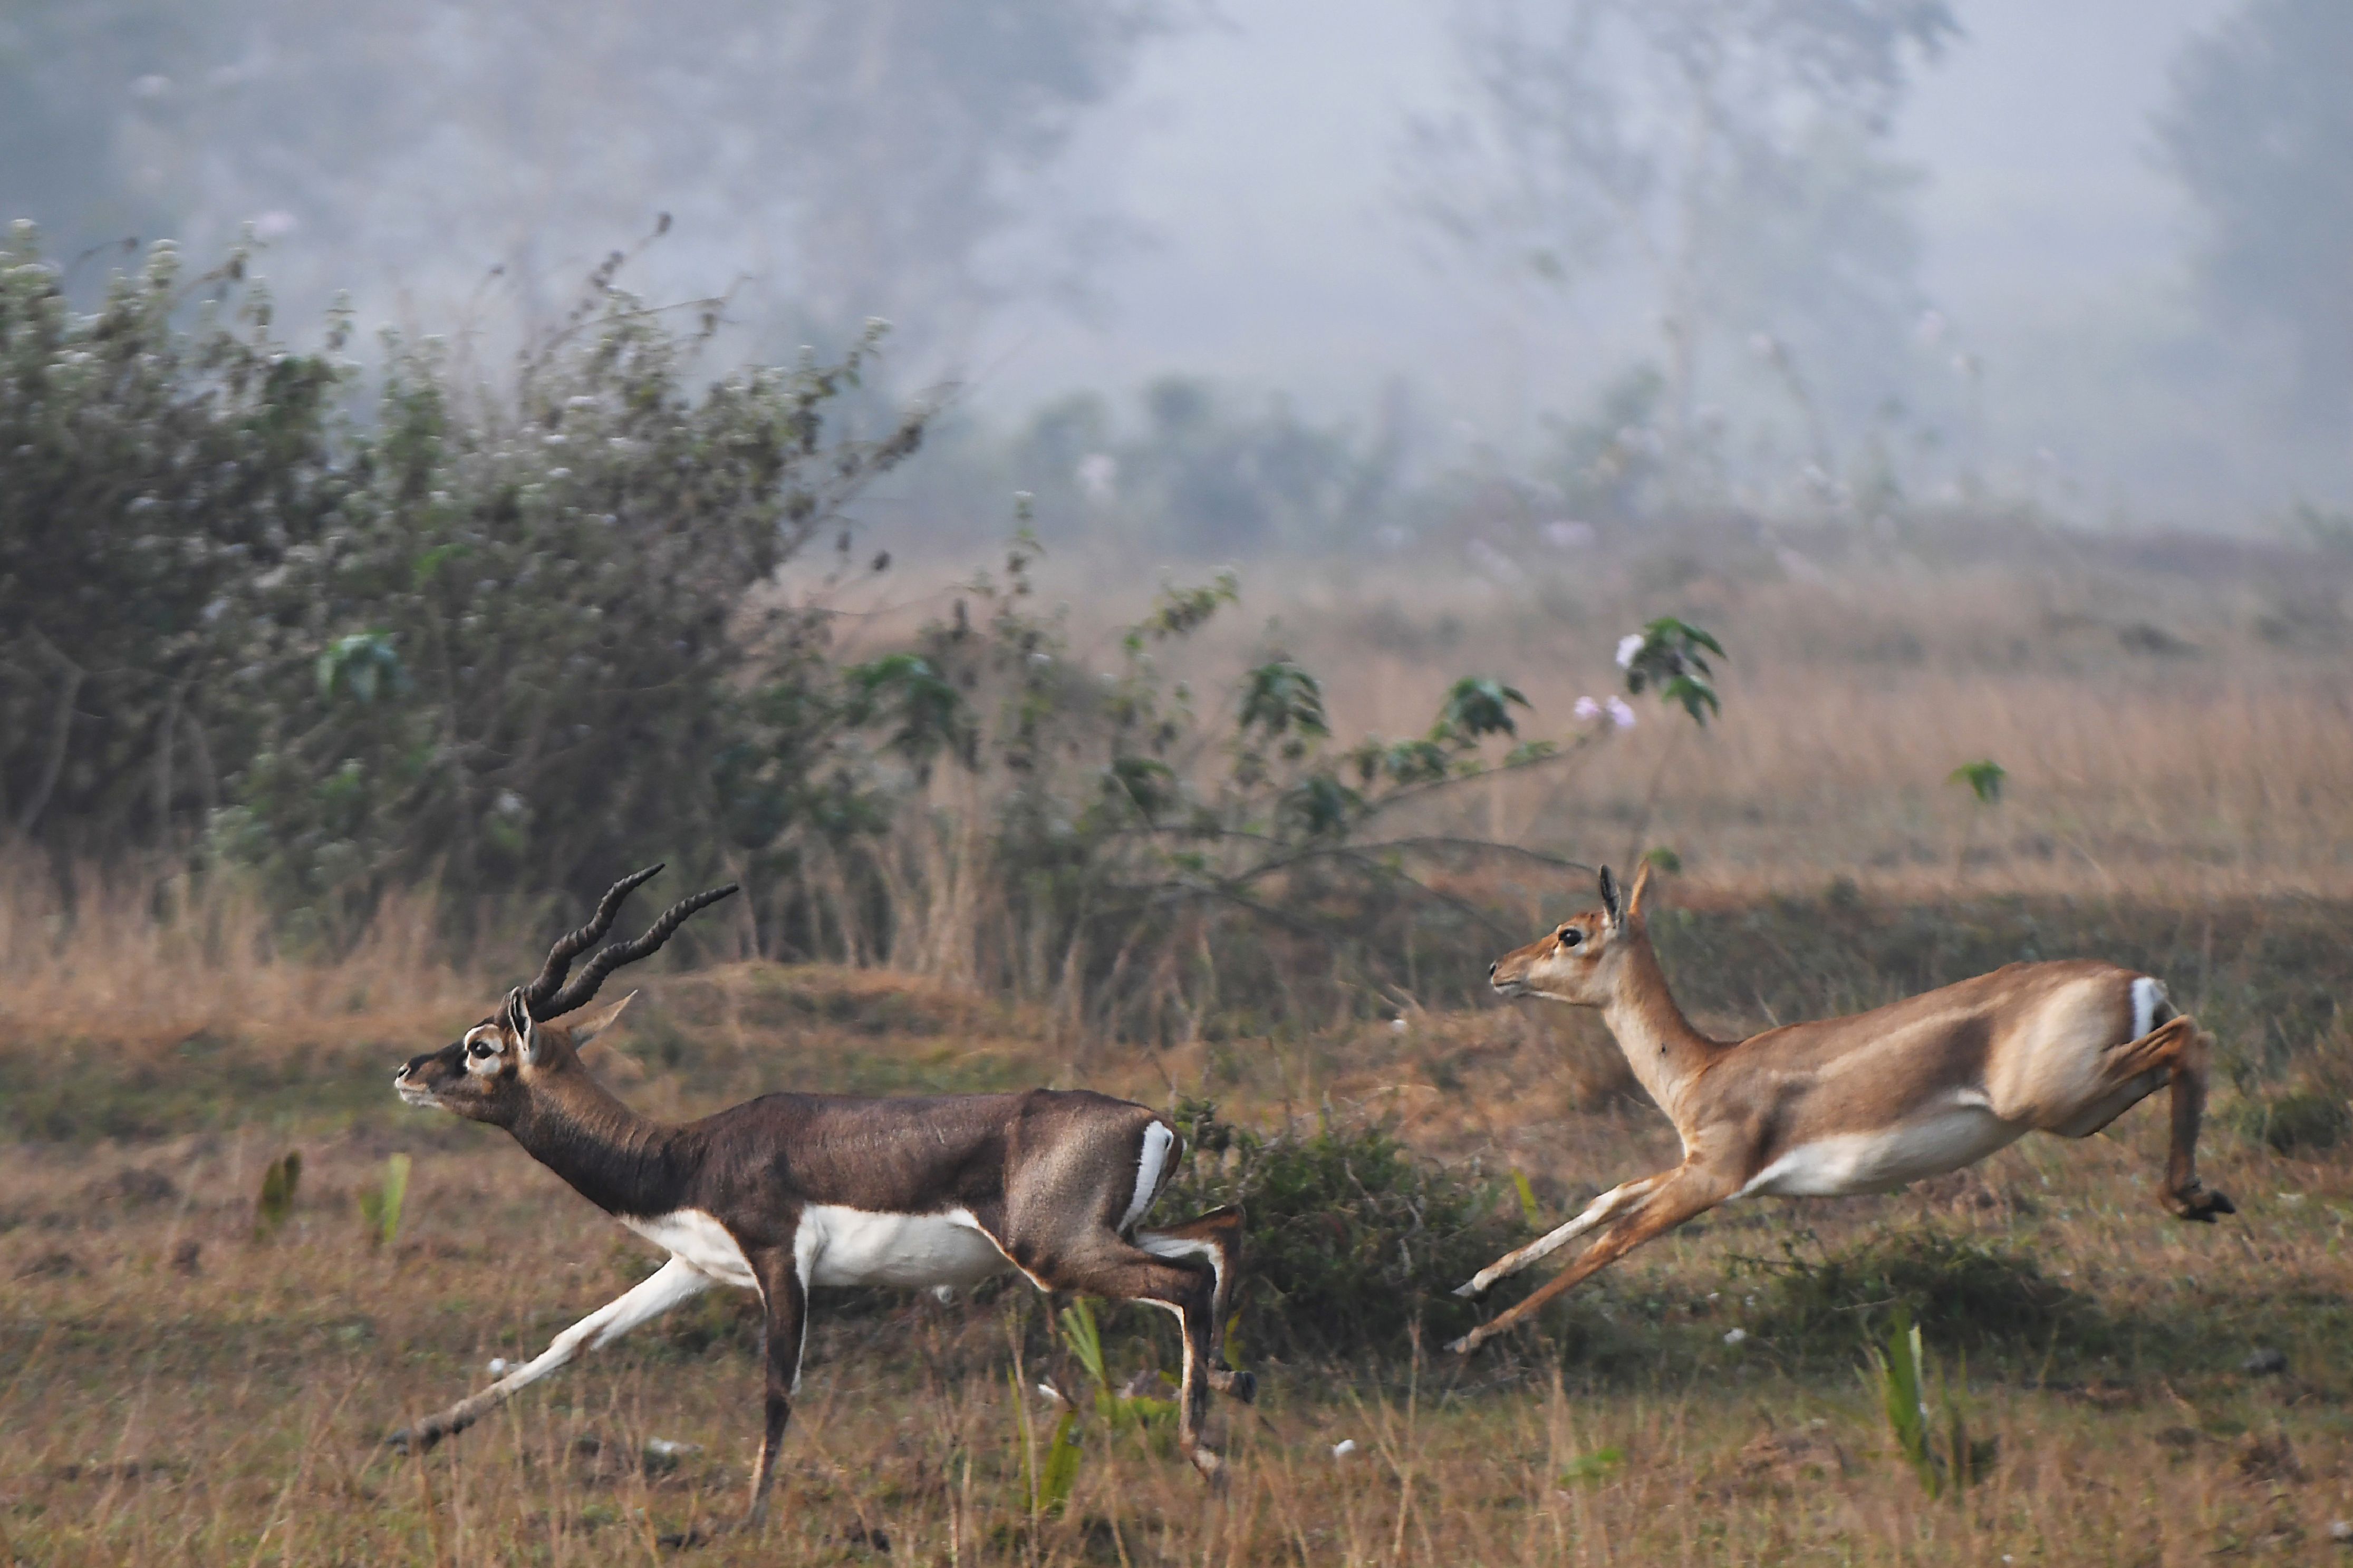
x,y
141,962
2175,720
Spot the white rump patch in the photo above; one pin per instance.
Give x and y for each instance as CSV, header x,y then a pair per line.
x,y
1150,1165
2146,994
838,1245
700,1242
1855,1162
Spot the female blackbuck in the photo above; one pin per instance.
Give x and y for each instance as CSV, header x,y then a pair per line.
x,y
1860,1104
790,1191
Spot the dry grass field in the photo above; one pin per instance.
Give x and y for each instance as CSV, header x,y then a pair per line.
x,y
2173,713
175,1389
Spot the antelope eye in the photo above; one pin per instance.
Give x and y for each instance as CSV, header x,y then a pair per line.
x,y
1570,936
479,1049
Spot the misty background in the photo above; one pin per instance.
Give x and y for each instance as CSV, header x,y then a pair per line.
x,y
2090,258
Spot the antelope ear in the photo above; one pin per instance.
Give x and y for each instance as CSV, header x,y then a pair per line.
x,y
1641,885
1609,900
598,1023
520,1026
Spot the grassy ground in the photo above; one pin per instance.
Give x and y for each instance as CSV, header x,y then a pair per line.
x,y
174,1390
2174,720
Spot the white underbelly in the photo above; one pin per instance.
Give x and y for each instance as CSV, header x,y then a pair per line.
x,y
701,1241
1852,1163
851,1246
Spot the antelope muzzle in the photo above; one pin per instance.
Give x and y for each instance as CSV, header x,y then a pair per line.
x,y
422,1077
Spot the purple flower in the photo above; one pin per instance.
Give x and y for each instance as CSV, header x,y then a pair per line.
x,y
1587,710
1621,713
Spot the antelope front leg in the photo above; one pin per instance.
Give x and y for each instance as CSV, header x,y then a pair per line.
x,y
788,1321
1608,1205
673,1282
1678,1195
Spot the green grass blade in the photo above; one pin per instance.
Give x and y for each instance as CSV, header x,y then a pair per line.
x,y
1528,1201
1063,1457
276,1205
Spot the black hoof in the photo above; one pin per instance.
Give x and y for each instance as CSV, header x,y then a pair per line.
x,y
2201,1204
1245,1387
2201,1207
684,1541
411,1441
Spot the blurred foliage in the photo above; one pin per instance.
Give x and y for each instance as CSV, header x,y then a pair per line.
x,y
532,131
1204,471
1124,829
505,640
1738,156
502,641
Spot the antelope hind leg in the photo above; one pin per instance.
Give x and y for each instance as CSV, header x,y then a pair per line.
x,y
2180,1051
1216,1238
2183,1195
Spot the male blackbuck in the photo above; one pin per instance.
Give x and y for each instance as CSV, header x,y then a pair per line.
x,y
790,1191
1858,1104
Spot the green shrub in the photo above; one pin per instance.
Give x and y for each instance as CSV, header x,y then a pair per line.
x,y
1962,1290
1351,1237
2298,1122
498,638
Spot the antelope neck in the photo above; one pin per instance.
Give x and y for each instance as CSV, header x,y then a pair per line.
x,y
1659,1042
623,1163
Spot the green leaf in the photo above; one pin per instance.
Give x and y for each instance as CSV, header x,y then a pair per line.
x,y
380,1208
1079,1331
1528,1200
925,712
1477,706
361,664
1278,697
1595,1466
1530,752
1669,656
1415,761
1144,783
1061,1471
431,562
1321,806
276,1204
1897,1375
1984,777
1180,612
